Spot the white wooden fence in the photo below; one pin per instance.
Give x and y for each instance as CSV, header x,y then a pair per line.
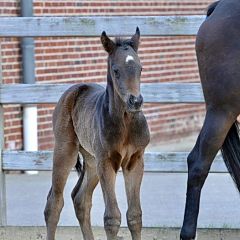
x,y
50,93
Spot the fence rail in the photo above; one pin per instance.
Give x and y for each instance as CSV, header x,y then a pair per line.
x,y
50,93
167,162
93,26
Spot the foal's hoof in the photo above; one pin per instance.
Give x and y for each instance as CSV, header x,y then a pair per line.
x,y
120,238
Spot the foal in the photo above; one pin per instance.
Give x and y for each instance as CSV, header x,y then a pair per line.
x,y
218,53
110,131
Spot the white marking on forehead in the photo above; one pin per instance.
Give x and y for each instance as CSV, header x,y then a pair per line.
x,y
129,58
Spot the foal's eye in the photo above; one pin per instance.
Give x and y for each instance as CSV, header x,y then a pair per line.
x,y
116,72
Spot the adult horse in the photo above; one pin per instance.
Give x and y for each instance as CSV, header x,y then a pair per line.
x,y
218,53
110,131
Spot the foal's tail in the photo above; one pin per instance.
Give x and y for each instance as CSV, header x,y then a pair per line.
x,y
80,170
79,167
231,153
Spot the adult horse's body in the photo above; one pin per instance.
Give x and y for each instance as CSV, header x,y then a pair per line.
x,y
109,129
218,53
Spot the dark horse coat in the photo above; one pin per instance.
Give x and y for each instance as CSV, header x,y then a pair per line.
x,y
218,54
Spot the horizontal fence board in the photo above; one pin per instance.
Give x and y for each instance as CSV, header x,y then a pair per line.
x,y
154,161
50,93
93,26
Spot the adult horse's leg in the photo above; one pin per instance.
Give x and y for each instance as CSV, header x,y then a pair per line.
x,y
112,215
216,126
64,159
133,179
82,195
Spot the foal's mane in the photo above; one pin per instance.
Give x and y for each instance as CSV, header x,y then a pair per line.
x,y
121,42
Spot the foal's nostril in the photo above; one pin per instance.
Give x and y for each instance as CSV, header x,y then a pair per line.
x,y
140,100
136,102
132,99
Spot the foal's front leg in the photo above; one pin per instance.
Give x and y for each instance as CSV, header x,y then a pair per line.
x,y
112,216
133,178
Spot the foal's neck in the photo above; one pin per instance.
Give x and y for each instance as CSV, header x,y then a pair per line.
x,y
116,106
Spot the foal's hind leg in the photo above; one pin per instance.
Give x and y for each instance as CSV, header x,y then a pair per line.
x,y
216,126
82,195
64,159
133,179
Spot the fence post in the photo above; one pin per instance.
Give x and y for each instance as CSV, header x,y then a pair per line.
x,y
3,215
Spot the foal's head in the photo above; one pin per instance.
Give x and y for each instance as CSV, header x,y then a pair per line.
x,y
125,69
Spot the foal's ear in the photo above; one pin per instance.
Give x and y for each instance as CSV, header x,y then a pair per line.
x,y
135,40
107,43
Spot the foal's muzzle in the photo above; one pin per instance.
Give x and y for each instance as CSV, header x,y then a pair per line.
x,y
135,103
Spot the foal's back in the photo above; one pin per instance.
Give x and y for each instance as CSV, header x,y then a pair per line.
x,y
75,110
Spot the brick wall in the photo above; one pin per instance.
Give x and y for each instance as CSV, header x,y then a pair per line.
x,y
11,70
82,59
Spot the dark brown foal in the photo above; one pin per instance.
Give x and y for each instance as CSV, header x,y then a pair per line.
x,y
108,128
218,52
